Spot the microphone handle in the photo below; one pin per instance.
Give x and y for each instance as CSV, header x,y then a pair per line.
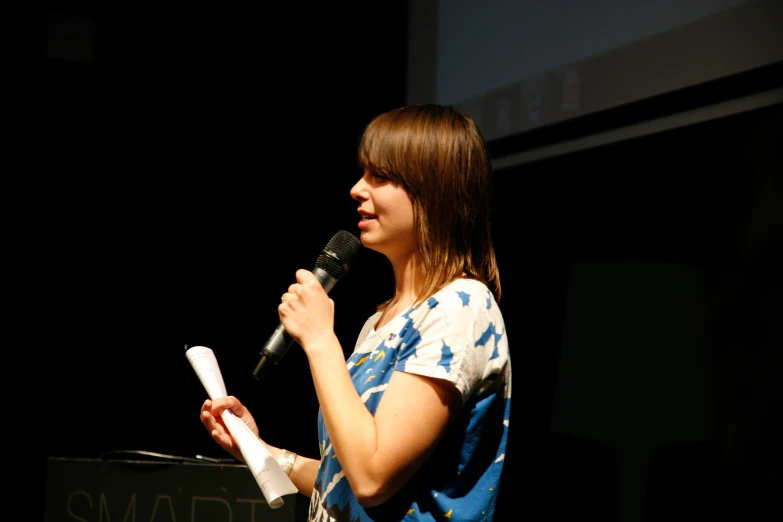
x,y
280,341
269,358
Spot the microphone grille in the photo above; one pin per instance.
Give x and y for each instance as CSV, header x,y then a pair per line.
x,y
339,253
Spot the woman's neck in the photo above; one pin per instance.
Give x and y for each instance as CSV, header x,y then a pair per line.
x,y
408,281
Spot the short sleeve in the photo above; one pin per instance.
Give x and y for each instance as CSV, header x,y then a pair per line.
x,y
452,336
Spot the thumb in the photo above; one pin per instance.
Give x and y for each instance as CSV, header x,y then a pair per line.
x,y
304,276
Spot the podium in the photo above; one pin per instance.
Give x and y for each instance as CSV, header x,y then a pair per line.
x,y
152,491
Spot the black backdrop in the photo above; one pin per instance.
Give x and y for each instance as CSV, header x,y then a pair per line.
x,y
201,160
206,156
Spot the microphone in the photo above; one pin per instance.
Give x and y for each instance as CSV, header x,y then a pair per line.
x,y
332,263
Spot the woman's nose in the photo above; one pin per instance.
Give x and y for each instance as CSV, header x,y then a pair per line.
x,y
358,191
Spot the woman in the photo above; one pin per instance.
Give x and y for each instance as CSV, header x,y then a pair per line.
x,y
414,426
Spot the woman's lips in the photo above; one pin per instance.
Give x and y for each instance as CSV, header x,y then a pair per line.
x,y
366,221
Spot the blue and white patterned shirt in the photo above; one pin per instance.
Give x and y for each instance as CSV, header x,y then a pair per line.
x,y
458,335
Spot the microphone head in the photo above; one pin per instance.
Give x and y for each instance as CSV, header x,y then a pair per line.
x,y
338,254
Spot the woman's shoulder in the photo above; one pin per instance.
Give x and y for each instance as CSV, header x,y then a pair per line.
x,y
464,292
461,302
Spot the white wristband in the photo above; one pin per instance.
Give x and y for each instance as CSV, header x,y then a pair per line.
x,y
286,460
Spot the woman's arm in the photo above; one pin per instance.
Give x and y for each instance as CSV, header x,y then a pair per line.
x,y
380,454
303,472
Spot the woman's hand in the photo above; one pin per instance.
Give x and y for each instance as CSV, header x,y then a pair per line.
x,y
307,312
210,418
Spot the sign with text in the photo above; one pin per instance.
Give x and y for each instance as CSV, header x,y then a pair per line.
x,y
94,490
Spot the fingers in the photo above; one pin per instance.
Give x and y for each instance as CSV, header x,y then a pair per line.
x,y
295,289
210,418
299,292
294,292
210,411
218,405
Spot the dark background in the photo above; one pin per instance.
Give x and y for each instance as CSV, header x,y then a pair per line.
x,y
207,154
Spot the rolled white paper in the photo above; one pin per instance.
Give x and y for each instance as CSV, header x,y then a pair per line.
x,y
270,477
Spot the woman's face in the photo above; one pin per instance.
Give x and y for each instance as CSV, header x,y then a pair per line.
x,y
386,210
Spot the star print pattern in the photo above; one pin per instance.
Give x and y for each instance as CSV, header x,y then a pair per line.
x,y
458,334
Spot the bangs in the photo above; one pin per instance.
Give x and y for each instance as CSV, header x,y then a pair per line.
x,y
387,145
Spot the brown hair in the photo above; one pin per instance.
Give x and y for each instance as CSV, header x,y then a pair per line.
x,y
437,155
